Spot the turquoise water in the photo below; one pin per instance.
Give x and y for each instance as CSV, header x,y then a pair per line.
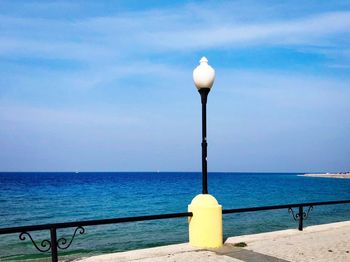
x,y
36,198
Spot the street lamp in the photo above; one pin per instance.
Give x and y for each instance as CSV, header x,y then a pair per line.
x,y
205,225
203,77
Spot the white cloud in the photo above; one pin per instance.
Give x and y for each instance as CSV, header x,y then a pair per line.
x,y
138,33
291,91
64,118
310,30
134,57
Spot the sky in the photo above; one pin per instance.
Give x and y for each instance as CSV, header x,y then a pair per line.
x,y
107,85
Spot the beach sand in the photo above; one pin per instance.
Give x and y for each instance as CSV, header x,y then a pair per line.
x,y
329,175
322,243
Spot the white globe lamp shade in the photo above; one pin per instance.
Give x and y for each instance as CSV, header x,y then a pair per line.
x,y
203,75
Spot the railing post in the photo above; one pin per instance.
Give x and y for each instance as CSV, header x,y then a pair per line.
x,y
53,235
301,218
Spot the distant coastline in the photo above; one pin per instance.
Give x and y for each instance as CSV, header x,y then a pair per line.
x,y
330,175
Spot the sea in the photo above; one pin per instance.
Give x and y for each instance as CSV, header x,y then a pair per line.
x,y
39,198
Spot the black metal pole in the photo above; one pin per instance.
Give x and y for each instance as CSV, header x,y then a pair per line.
x,y
301,218
53,235
204,95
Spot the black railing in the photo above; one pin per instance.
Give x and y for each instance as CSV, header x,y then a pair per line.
x,y
62,243
299,216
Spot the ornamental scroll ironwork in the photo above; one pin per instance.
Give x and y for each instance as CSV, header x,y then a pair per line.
x,y
45,245
296,216
62,242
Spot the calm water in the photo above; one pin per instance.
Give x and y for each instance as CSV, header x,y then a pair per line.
x,y
33,198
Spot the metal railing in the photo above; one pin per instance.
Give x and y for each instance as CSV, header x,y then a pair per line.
x,y
62,243
300,216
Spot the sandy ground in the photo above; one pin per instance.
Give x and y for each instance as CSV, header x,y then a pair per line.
x,y
180,252
336,175
322,243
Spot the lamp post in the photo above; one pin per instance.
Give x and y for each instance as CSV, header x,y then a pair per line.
x,y
205,226
203,77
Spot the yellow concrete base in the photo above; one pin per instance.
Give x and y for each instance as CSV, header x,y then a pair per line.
x,y
205,226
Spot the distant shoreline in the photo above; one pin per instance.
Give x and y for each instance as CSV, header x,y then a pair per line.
x,y
329,175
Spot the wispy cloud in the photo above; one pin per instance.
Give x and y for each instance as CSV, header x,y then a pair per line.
x,y
78,75
138,33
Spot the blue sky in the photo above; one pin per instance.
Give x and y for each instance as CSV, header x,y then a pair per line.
x,y
107,85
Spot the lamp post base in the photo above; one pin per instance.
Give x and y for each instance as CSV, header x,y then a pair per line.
x,y
205,226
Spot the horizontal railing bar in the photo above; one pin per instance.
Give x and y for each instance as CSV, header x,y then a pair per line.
x,y
92,222
252,209
156,217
